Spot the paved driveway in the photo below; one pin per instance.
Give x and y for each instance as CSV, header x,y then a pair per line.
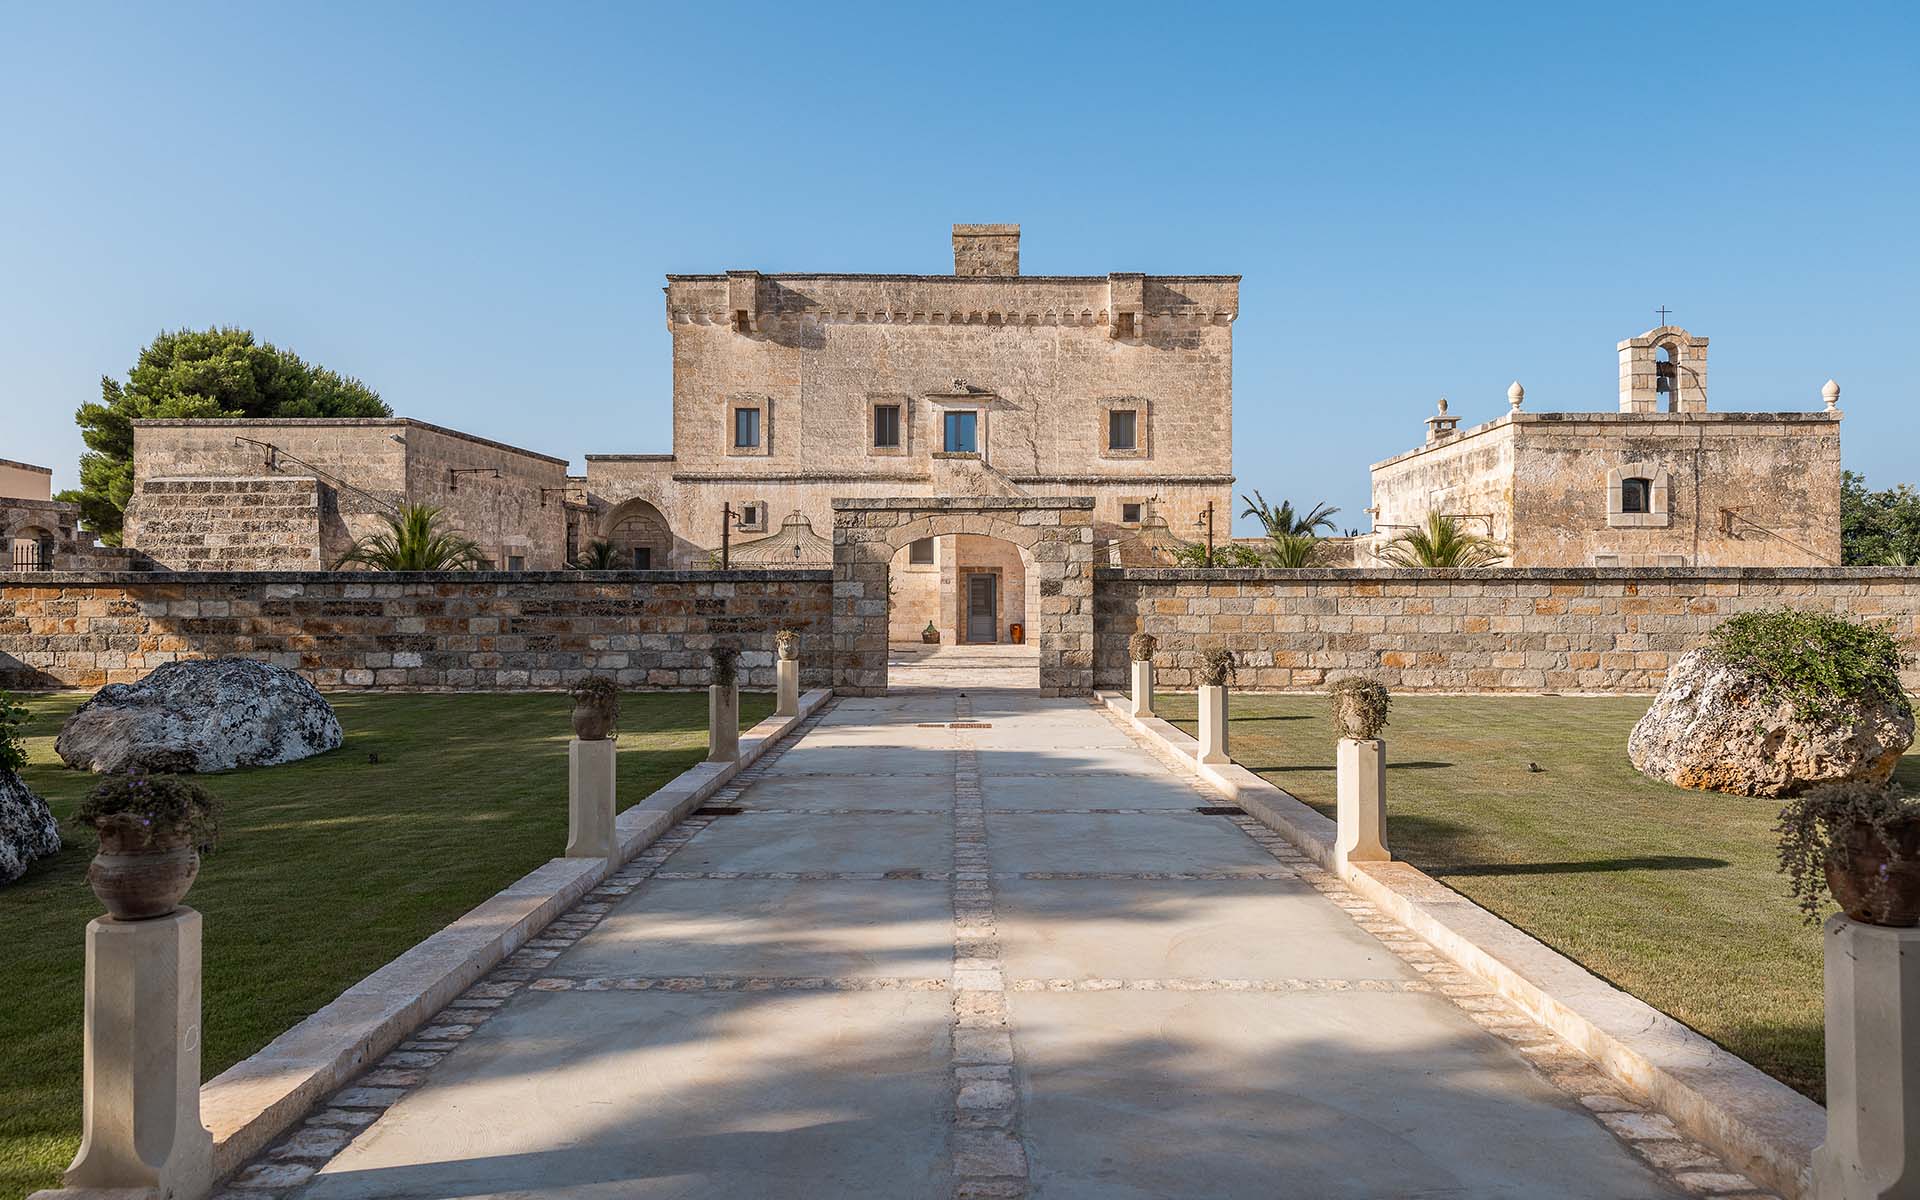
x,y
1008,958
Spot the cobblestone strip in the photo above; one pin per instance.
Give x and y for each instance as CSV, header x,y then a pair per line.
x,y
1691,1167
989,1158
291,1161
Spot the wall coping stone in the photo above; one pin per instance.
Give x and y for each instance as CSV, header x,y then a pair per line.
x,y
1346,575
105,578
960,503
267,423
1680,419
960,279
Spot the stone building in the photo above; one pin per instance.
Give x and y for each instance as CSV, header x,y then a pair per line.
x,y
39,533
293,495
1662,482
790,390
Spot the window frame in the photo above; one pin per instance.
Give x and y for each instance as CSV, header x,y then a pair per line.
x,y
1659,514
947,420
903,430
736,406
1142,410
933,552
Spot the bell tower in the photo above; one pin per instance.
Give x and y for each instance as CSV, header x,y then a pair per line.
x,y
1663,370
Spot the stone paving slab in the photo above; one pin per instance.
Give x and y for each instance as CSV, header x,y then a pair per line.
x,y
1023,842
838,791
1090,791
1204,929
1050,759
813,759
659,1094
771,928
781,842
1156,1096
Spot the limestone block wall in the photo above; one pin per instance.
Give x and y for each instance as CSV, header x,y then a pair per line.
x,y
465,631
1500,630
263,523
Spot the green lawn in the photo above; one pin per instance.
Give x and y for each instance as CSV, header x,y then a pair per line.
x,y
327,869
1669,894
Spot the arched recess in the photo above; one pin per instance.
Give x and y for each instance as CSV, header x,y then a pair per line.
x,y
1055,534
27,548
640,535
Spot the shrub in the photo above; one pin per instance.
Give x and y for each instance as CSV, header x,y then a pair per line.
x,y
154,806
1217,668
1442,541
1818,662
13,755
599,691
1140,647
1359,707
1227,554
1812,825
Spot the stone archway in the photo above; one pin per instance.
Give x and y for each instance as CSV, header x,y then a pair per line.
x,y
1055,531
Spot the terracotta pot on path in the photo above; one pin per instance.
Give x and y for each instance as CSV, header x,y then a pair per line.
x,y
1873,886
137,879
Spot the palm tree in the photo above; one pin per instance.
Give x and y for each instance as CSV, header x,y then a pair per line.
x,y
1292,550
1441,542
1284,520
599,556
417,539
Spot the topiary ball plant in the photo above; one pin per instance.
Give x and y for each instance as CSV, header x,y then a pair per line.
x,y
1217,668
1858,842
141,810
1359,707
1140,647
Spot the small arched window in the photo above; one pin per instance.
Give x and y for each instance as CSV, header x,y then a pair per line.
x,y
1636,495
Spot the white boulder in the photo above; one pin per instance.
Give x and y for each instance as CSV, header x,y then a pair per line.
x,y
198,716
27,828
1713,727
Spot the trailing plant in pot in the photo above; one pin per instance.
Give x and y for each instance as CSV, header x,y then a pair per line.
x,y
1359,707
151,830
1140,647
596,707
726,664
1217,668
786,643
1858,842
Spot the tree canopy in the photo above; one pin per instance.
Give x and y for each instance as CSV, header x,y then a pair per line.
x,y
1878,529
221,372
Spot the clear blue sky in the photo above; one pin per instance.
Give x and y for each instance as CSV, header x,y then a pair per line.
x,y
471,207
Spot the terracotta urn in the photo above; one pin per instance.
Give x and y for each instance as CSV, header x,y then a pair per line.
x,y
1871,884
592,721
786,644
137,878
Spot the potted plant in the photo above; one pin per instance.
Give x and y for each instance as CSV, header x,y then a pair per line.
x,y
786,643
1859,842
151,829
1140,647
1217,668
596,706
1359,707
930,635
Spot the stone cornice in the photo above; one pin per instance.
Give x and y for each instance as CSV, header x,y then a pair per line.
x,y
1669,421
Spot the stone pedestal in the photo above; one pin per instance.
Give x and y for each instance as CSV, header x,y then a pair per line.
x,y
723,723
1213,725
1142,689
1360,817
1872,1151
141,1130
787,679
590,772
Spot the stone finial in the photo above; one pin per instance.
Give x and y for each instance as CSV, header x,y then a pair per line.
x,y
1831,394
1516,394
1443,406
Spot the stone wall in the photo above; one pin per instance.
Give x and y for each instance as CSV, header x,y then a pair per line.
x,y
1544,629
264,523
466,631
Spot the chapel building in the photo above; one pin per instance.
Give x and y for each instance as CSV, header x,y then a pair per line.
x,y
1663,482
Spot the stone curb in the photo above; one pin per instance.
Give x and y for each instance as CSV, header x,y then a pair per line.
x,y
1763,1127
256,1100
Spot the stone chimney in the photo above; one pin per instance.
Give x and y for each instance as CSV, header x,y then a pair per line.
x,y
986,249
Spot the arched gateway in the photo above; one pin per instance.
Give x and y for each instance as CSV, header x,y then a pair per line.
x,y
1055,531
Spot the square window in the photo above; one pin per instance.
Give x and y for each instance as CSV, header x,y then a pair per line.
x,y
1122,426
1636,495
746,428
920,552
749,516
962,430
886,426
1130,514
516,562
